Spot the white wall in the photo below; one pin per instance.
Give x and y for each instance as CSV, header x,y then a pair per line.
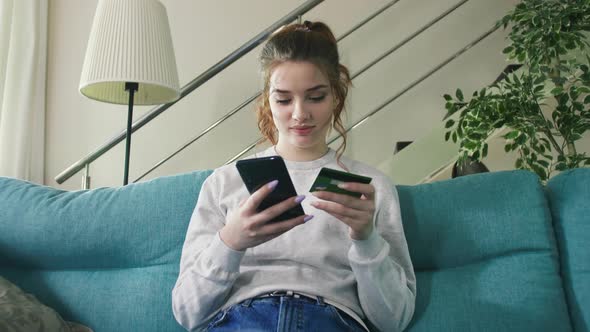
x,y
204,32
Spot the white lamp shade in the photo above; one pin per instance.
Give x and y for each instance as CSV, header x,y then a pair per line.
x,y
130,41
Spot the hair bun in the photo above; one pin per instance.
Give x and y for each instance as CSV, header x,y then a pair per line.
x,y
305,27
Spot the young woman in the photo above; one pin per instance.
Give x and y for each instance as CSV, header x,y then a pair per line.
x,y
342,267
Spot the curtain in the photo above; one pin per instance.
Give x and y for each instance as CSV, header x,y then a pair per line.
x,y
23,48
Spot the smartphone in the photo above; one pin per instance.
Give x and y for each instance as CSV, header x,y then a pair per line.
x,y
329,179
258,172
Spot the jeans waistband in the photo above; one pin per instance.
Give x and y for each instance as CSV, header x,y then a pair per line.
x,y
318,300
293,294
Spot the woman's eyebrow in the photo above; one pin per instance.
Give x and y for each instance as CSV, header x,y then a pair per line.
x,y
273,90
315,88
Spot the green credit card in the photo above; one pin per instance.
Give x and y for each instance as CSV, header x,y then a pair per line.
x,y
329,179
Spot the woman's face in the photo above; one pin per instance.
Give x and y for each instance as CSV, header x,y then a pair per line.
x,y
302,104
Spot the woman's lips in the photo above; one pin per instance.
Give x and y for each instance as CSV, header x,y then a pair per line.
x,y
303,130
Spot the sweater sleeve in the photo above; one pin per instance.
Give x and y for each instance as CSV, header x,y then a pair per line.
x,y
208,267
385,277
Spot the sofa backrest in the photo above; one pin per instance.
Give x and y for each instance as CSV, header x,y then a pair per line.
x,y
569,197
485,256
107,258
482,245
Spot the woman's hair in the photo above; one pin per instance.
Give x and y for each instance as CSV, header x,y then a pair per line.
x,y
312,42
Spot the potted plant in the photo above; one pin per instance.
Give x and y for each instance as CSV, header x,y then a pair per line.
x,y
544,107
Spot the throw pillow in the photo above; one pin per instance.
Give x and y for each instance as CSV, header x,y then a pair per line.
x,y
22,312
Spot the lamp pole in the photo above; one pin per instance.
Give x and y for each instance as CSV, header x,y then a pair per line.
x,y
131,87
115,66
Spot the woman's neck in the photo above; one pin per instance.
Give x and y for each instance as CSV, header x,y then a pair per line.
x,y
292,153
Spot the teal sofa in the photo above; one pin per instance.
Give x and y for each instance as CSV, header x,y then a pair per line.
x,y
492,252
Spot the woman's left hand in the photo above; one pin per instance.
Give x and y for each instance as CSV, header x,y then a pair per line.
x,y
357,213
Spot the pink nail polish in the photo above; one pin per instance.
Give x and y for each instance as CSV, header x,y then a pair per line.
x,y
307,218
273,184
299,199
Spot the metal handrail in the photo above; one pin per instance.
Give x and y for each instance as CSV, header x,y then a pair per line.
x,y
256,95
418,81
372,63
203,133
368,19
188,88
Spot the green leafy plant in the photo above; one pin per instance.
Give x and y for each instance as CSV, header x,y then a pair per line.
x,y
544,108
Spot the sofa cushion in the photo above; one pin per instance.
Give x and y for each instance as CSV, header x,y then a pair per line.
x,y
106,257
569,195
485,255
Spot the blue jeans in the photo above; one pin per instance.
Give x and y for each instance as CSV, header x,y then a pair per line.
x,y
283,314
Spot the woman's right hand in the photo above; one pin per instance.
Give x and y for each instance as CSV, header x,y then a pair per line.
x,y
247,228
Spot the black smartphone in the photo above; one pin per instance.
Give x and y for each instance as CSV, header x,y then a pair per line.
x,y
329,179
258,172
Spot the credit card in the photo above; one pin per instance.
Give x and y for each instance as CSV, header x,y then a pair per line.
x,y
329,179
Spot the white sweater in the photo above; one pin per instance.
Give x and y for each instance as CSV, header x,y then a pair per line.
x,y
372,279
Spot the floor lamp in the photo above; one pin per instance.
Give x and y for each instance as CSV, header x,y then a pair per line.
x,y
130,59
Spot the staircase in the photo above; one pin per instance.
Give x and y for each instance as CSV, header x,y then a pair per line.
x,y
419,49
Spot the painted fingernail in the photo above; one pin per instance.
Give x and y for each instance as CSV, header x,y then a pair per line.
x,y
299,199
273,184
307,218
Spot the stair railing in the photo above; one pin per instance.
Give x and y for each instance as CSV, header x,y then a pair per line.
x,y
244,49
187,89
418,81
254,97
380,58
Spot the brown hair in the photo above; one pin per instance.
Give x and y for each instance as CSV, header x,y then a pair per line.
x,y
313,42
